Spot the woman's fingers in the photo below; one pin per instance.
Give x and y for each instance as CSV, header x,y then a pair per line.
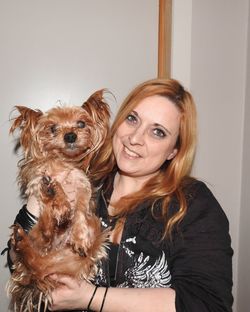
x,y
71,294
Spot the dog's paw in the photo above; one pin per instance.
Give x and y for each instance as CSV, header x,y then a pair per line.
x,y
18,235
79,249
81,252
48,187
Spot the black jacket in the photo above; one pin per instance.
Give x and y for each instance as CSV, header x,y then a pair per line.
x,y
196,263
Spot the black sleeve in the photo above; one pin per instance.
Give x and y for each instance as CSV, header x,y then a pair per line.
x,y
26,219
201,257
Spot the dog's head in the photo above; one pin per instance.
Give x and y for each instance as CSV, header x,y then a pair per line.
x,y
73,134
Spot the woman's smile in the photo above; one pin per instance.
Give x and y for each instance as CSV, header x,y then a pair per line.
x,y
130,153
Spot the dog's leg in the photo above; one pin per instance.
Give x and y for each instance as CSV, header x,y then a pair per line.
x,y
81,235
25,256
56,205
54,218
87,238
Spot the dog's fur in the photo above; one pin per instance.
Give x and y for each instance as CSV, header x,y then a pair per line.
x,y
58,149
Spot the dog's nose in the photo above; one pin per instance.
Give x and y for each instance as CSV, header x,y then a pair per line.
x,y
70,137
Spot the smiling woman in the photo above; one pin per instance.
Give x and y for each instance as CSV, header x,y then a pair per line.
x,y
166,227
163,102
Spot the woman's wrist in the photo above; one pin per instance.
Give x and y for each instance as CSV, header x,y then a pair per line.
x,y
91,298
25,219
99,299
104,298
33,206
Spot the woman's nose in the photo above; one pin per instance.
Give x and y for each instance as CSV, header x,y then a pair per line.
x,y
137,136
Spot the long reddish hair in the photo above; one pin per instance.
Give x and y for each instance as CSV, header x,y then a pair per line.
x,y
174,173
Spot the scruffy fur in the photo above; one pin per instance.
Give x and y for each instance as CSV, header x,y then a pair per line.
x,y
58,149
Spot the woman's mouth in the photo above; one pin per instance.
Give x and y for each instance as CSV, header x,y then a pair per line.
x,y
130,153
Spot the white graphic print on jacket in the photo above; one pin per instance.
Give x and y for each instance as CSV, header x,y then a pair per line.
x,y
143,274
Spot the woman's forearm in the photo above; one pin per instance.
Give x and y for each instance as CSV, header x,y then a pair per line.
x,y
135,300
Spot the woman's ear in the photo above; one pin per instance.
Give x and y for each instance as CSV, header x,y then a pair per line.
x,y
172,155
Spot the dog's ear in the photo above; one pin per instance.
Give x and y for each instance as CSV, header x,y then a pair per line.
x,y
99,112
26,122
98,109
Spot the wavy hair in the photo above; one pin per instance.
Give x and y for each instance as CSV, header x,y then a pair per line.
x,y
175,173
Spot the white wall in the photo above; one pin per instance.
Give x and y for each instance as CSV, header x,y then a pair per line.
x,y
218,79
244,245
181,41
66,49
210,38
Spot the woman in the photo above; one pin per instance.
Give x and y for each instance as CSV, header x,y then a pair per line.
x,y
170,247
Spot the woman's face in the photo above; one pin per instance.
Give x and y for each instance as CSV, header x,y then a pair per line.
x,y
147,137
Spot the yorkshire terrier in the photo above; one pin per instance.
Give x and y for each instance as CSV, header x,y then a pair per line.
x,y
58,147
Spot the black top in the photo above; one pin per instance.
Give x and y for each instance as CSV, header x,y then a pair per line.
x,y
113,252
196,263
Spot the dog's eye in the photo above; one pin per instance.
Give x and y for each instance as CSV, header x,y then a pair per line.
x,y
81,124
53,129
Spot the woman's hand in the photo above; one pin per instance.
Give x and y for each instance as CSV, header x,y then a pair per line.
x,y
75,295
71,295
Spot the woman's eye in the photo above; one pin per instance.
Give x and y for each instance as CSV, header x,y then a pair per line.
x,y
159,133
53,129
81,124
131,118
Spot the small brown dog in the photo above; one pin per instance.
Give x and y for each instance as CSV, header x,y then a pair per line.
x,y
58,149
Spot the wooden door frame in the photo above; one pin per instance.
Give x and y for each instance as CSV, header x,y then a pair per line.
x,y
164,38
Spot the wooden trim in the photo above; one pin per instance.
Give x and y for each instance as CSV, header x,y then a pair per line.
x,y
164,38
